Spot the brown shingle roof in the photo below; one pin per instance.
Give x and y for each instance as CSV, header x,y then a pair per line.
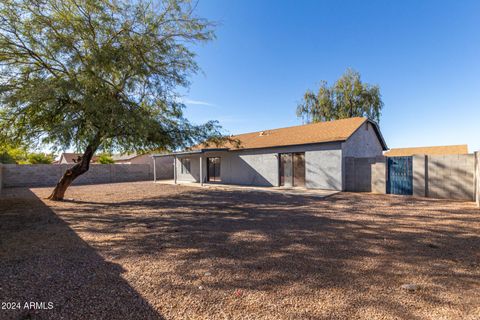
x,y
330,131
438,150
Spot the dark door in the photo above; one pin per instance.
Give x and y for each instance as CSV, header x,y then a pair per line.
x,y
292,169
213,169
299,169
400,175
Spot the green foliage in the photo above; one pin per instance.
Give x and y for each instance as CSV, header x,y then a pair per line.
x,y
18,155
98,73
348,97
13,155
40,158
105,158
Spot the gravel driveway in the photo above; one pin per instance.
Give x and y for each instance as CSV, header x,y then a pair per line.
x,y
153,251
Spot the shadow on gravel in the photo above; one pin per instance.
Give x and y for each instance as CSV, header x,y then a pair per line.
x,y
367,249
43,260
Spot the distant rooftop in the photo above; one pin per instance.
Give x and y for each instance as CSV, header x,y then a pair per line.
x,y
435,150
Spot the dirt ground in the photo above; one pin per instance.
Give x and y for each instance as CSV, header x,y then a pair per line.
x,y
153,251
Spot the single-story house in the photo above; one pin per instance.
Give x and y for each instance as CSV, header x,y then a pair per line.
x,y
311,155
436,150
71,158
132,158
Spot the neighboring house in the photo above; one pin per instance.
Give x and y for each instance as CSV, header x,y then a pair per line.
x,y
437,150
163,166
311,156
70,158
132,158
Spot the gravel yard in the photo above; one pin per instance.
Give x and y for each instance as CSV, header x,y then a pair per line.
x,y
153,251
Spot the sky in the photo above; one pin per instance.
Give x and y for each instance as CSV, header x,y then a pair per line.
x,y
424,55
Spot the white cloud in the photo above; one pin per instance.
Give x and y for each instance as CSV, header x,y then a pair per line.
x,y
196,102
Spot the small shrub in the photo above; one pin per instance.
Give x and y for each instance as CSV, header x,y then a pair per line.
x,y
105,159
40,158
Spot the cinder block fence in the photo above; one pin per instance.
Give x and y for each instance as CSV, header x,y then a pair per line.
x,y
477,166
42,175
443,177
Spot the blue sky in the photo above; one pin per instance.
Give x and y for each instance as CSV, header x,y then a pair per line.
x,y
424,55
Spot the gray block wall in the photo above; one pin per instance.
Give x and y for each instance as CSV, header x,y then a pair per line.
x,y
420,177
42,175
164,167
451,177
366,174
444,177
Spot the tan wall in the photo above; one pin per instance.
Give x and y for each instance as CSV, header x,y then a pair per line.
x,y
477,160
49,174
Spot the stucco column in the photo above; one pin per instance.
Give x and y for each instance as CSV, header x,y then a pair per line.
x,y
419,163
477,175
175,169
201,170
379,175
154,169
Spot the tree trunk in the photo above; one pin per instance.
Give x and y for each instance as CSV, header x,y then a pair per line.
x,y
72,173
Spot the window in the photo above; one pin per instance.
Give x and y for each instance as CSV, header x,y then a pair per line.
x,y
185,165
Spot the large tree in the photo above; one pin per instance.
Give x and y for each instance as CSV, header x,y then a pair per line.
x,y
98,74
348,97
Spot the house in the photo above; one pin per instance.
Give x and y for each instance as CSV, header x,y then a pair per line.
x,y
311,156
70,158
133,158
437,150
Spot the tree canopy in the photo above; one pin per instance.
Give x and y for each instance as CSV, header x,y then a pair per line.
x,y
21,155
348,97
98,74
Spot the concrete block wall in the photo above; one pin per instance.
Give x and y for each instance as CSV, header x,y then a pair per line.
x,y
164,167
365,174
420,175
477,175
42,175
450,177
444,177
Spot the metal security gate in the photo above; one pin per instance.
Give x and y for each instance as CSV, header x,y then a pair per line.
x,y
400,175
